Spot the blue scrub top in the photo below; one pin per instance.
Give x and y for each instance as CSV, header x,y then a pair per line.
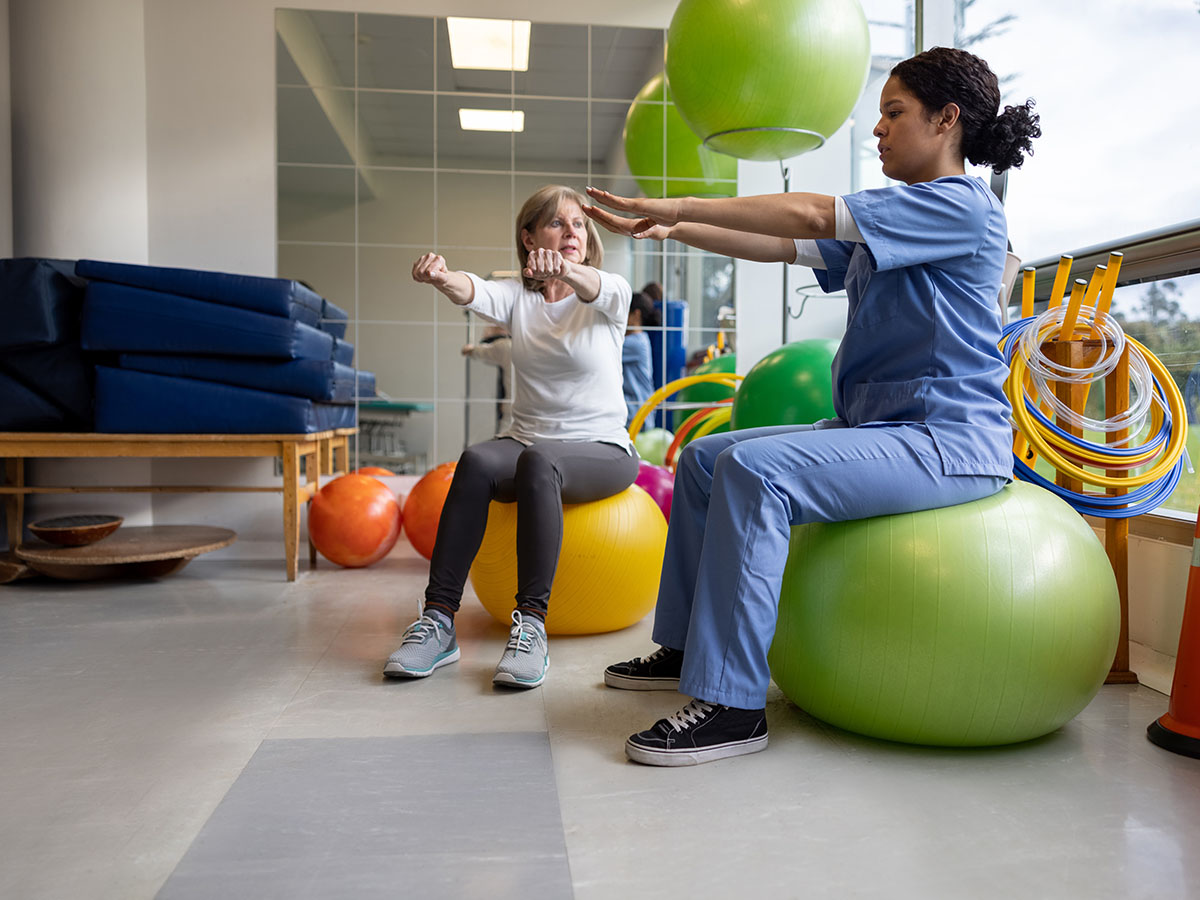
x,y
924,320
637,370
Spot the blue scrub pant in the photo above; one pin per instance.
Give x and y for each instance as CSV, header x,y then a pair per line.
x,y
737,496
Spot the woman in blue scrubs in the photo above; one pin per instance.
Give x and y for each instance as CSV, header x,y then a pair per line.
x,y
922,420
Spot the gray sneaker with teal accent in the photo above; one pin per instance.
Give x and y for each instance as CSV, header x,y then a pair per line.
x,y
526,658
428,644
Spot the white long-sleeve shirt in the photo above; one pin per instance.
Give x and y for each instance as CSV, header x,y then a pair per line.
x,y
567,378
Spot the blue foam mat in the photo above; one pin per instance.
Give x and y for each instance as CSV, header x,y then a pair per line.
x,y
316,379
130,402
274,296
40,300
121,318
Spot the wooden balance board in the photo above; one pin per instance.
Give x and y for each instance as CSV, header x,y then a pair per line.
x,y
150,551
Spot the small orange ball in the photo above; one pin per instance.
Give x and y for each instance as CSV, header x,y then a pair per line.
x,y
372,470
354,520
423,507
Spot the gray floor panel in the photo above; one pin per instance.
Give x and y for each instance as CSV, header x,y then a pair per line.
x,y
462,816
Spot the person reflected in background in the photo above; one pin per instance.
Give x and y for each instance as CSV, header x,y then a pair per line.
x,y
495,347
636,365
654,291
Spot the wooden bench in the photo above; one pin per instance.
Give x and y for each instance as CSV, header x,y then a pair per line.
x,y
326,453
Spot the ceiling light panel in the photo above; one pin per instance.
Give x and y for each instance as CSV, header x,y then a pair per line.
x,y
489,44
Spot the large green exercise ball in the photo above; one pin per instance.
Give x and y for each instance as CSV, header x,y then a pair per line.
x,y
744,72
652,444
692,170
706,392
789,386
986,623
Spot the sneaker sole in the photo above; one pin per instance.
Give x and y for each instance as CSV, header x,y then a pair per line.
x,y
508,680
693,757
396,670
633,683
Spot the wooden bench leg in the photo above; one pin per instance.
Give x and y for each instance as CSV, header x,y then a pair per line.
x,y
14,504
291,508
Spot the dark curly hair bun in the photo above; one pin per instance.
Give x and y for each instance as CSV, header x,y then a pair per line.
x,y
945,75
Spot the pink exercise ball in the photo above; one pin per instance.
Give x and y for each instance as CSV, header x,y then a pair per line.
x,y
659,483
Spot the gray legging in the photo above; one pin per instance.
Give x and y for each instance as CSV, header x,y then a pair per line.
x,y
540,478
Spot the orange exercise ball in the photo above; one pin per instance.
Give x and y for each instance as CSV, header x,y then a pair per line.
x,y
354,520
372,470
423,507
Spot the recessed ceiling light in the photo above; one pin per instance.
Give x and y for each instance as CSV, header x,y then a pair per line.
x,y
491,119
489,44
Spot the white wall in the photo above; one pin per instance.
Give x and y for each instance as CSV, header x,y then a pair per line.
x,y
6,242
78,129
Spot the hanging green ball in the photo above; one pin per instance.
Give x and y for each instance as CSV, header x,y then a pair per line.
x,y
767,79
692,170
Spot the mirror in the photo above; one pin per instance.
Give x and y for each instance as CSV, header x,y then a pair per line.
x,y
375,168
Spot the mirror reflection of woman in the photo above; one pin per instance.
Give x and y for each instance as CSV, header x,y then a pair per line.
x,y
922,419
567,441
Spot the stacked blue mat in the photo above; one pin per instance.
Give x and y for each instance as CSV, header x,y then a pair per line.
x,y
45,380
208,352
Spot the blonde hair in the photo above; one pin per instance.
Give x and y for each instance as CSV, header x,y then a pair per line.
x,y
538,210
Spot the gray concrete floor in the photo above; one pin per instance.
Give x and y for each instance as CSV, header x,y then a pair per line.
x,y
129,712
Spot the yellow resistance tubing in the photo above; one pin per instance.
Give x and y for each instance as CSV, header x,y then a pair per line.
x,y
726,378
1099,460
1033,431
1155,411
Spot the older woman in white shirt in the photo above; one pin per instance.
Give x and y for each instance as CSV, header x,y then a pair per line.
x,y
567,442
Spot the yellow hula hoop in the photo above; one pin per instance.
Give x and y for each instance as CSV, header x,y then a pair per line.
x,y
1034,432
712,422
726,378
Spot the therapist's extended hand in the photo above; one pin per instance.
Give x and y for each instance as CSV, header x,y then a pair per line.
x,y
652,211
641,229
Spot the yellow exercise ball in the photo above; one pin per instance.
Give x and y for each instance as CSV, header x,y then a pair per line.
x,y
608,567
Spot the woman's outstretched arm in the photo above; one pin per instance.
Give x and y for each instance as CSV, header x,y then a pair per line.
x,y
431,269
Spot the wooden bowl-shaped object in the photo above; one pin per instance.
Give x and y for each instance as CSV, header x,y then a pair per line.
x,y
76,531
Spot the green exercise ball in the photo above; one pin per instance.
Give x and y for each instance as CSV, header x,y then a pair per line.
x,y
706,392
742,71
788,386
692,170
652,444
986,623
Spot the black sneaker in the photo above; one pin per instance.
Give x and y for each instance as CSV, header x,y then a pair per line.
x,y
700,733
657,672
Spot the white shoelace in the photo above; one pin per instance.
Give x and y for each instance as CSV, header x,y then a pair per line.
x,y
653,657
695,712
422,630
522,635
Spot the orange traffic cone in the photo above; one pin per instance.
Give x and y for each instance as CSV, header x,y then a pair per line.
x,y
1179,730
